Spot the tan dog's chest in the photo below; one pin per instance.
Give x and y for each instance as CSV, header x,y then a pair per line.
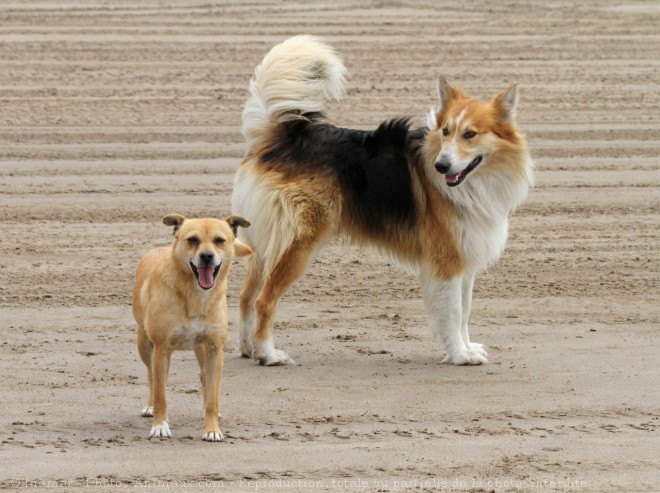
x,y
195,332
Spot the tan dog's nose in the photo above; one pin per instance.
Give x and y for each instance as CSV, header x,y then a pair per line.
x,y
206,258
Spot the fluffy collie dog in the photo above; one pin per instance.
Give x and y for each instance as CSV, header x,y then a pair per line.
x,y
437,198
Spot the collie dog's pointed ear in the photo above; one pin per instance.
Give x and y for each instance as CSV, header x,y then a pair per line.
x,y
445,93
507,102
236,221
175,220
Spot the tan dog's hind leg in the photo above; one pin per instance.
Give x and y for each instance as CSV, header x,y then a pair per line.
x,y
290,266
160,368
251,286
211,359
146,348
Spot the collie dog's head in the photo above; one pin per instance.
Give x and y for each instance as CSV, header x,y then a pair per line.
x,y
469,138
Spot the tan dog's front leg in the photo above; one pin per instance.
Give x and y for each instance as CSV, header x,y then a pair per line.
x,y
160,366
200,352
211,368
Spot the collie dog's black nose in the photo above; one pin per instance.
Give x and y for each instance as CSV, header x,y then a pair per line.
x,y
206,258
442,166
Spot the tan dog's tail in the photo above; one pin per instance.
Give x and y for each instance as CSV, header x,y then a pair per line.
x,y
295,77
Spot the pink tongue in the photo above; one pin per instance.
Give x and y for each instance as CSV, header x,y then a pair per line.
x,y
452,178
205,276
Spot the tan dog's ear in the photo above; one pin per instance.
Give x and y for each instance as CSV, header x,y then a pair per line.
x,y
236,221
241,249
175,220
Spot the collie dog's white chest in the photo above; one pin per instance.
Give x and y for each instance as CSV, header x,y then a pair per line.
x,y
482,243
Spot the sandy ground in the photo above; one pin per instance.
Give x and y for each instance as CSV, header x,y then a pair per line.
x,y
113,113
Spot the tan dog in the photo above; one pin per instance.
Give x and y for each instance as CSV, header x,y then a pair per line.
x,y
180,302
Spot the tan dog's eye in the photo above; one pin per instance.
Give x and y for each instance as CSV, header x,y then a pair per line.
x,y
219,241
469,135
445,131
193,241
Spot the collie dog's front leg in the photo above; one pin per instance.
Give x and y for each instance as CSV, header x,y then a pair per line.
x,y
448,303
466,304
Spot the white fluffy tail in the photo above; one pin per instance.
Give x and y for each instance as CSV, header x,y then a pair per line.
x,y
296,76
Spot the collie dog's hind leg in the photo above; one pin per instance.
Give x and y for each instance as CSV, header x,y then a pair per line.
x,y
251,288
283,273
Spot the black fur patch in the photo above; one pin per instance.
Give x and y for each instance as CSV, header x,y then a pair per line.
x,y
372,167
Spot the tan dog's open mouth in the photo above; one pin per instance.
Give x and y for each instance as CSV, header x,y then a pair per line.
x,y
205,274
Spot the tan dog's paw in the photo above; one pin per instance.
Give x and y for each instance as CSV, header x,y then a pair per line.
x,y
147,412
213,436
161,431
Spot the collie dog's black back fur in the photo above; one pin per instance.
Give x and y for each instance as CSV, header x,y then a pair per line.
x,y
373,167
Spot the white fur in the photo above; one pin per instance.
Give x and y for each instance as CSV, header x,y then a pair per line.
x,y
190,333
297,74
217,260
266,354
449,311
273,218
147,412
432,119
485,202
450,154
213,436
160,431
467,284
459,119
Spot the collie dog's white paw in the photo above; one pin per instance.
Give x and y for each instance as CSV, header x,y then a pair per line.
x,y
161,431
213,436
474,355
265,354
274,357
478,348
147,412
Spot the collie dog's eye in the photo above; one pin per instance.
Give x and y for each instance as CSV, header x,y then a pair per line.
x,y
469,134
193,241
445,131
219,241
